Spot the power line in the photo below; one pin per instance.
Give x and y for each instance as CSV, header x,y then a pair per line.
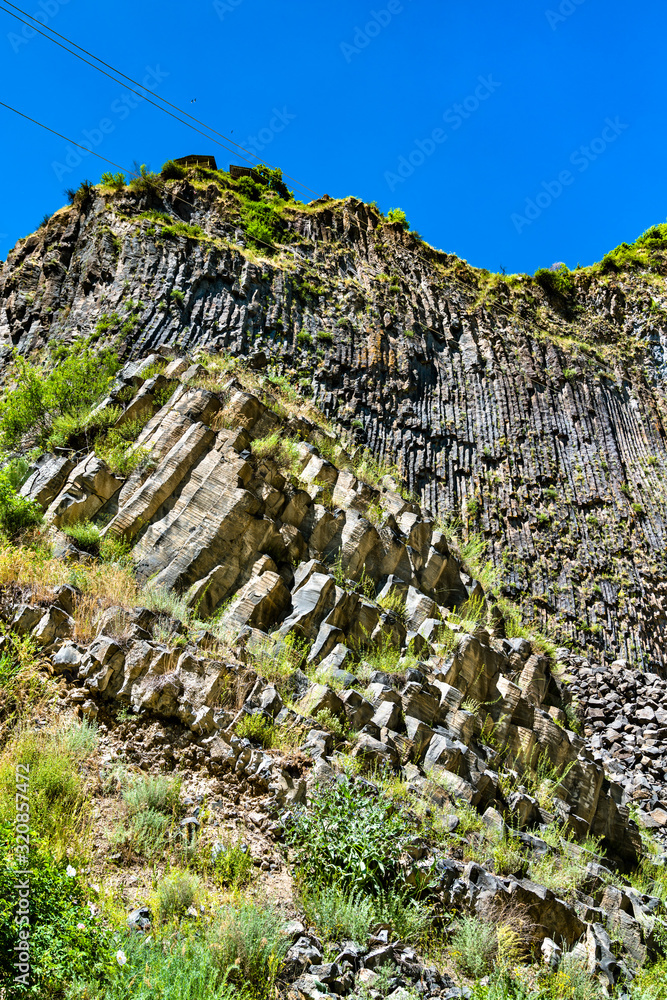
x,y
136,83
143,96
133,173
61,136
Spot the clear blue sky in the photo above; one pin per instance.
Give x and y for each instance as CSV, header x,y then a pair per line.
x,y
556,151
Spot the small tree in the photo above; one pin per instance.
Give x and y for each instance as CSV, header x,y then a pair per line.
x,y
397,217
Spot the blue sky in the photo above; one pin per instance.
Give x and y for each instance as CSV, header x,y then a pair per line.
x,y
514,135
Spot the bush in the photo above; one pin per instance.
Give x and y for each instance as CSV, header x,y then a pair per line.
x,y
146,181
74,378
66,941
250,946
176,295
263,225
249,188
350,838
473,946
233,866
397,217
559,282
256,728
175,894
172,171
16,512
116,181
273,178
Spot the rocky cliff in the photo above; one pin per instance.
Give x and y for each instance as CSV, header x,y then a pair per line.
x,y
310,548
531,409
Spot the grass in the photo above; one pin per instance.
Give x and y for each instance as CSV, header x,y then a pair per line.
x,y
175,894
256,728
281,450
57,760
152,805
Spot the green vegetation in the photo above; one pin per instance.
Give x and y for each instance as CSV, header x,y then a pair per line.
x,y
152,805
68,383
397,217
16,512
115,181
176,295
256,728
350,839
556,282
173,171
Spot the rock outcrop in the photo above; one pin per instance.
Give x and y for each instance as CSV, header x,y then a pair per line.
x,y
534,415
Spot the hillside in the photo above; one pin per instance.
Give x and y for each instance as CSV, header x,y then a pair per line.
x,y
332,605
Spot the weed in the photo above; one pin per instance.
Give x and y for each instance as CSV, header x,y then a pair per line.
x,y
175,894
72,380
349,838
256,728
249,945
85,535
233,865
473,946
337,915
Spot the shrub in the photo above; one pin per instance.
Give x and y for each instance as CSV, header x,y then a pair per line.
x,y
176,295
273,178
397,217
249,188
558,282
74,378
172,171
349,838
327,720
473,946
256,728
175,894
249,945
263,225
16,512
66,941
233,865
572,981
116,181
145,181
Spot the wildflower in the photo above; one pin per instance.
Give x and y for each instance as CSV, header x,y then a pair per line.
x,y
71,872
81,927
121,957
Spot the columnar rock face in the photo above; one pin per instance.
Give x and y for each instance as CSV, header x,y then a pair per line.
x,y
537,418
